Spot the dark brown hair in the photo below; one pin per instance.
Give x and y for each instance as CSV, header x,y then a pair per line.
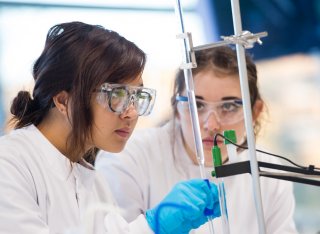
x,y
223,61
77,58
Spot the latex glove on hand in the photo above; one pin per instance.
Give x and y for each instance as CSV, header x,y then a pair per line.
x,y
186,207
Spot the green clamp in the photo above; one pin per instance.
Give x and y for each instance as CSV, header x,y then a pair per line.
x,y
216,153
230,135
217,161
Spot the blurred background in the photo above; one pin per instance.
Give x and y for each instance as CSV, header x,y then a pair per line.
x,y
288,62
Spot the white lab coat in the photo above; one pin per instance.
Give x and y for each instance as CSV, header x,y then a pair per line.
x,y
40,193
142,174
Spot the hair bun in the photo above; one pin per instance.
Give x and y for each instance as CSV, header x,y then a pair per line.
x,y
21,104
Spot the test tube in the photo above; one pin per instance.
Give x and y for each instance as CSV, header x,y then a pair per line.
x,y
216,152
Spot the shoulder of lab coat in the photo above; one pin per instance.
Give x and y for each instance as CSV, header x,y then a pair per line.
x,y
277,199
20,212
27,166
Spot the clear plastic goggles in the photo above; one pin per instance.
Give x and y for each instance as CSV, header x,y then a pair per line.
x,y
226,112
118,97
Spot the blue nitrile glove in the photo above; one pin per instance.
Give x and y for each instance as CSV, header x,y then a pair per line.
x,y
186,207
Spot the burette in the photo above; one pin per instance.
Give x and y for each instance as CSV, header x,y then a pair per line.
x,y
187,64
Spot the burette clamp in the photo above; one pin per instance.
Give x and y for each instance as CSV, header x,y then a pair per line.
x,y
246,38
190,58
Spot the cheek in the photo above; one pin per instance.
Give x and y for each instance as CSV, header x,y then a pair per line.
x,y
102,124
102,119
240,131
101,129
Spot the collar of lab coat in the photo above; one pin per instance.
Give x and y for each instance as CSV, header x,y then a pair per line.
x,y
58,163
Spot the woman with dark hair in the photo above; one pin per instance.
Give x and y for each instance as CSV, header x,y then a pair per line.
x,y
155,159
88,94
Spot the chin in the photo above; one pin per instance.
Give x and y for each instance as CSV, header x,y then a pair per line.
x,y
117,151
113,148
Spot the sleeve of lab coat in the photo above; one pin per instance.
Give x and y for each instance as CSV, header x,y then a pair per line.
x,y
115,224
19,212
138,176
124,174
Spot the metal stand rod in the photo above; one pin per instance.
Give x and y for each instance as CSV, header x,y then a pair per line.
x,y
248,116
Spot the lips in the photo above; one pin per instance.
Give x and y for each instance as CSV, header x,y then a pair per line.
x,y
123,132
208,141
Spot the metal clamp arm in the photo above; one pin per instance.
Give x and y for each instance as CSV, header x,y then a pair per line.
x,y
299,175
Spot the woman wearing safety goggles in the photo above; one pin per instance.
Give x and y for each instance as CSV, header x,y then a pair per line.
x,y
88,95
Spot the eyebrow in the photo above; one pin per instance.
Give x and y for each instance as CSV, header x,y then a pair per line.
x,y
223,99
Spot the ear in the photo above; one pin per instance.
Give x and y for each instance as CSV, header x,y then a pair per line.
x,y
61,102
257,109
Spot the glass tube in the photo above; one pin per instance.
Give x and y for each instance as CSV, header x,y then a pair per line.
x,y
191,100
222,193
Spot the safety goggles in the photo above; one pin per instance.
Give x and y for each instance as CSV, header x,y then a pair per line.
x,y
226,112
118,97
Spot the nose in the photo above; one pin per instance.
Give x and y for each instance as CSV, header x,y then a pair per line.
x,y
211,122
131,111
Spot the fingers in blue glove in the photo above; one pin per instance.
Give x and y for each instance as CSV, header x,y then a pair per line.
x,y
183,208
213,207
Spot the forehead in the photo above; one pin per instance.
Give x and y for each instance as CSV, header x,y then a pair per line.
x,y
213,88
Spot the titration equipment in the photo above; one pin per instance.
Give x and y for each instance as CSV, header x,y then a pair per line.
x,y
242,40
